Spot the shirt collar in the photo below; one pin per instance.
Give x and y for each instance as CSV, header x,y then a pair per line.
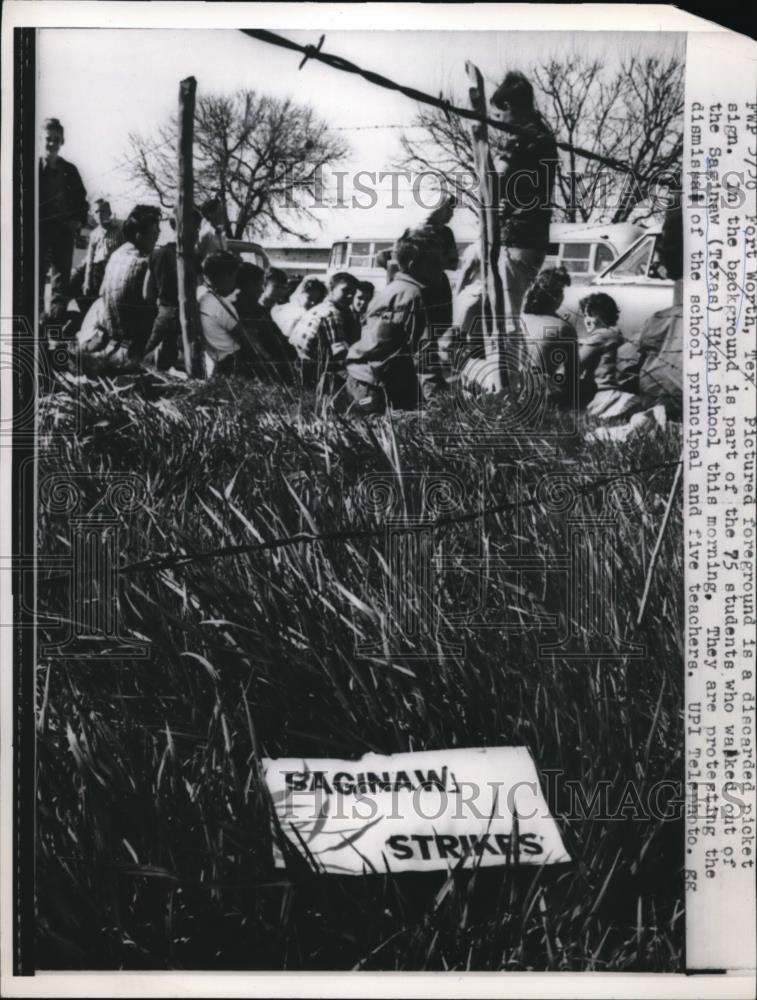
x,y
407,279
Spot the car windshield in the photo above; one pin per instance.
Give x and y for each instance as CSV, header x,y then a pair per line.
x,y
635,263
604,257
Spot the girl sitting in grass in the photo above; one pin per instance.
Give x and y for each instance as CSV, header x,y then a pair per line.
x,y
608,362
549,342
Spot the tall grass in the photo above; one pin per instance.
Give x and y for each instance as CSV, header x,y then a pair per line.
x,y
153,837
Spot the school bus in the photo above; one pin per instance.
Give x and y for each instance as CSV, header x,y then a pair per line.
x,y
585,251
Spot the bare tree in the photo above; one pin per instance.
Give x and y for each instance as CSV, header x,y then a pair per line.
x,y
579,105
262,156
653,96
634,115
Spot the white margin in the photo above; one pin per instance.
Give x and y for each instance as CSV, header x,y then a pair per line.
x,y
320,17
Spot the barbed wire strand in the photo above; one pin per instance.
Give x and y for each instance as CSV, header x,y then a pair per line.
x,y
170,562
337,62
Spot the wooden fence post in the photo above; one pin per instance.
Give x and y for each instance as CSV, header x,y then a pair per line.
x,y
489,242
189,316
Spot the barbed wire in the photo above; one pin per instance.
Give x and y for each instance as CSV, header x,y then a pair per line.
x,y
308,537
339,63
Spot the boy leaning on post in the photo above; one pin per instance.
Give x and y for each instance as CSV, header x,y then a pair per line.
x,y
384,367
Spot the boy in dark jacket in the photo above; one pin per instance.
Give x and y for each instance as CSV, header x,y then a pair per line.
x,y
63,211
524,189
384,366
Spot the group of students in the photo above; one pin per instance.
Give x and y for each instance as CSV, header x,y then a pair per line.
x,y
339,336
362,348
365,348
355,346
600,371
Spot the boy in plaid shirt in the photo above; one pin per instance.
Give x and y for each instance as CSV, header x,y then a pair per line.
x,y
323,335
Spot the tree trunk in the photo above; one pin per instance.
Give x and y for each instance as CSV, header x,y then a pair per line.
x,y
189,315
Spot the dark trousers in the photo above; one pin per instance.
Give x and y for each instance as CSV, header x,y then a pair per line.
x,y
438,299
165,337
56,251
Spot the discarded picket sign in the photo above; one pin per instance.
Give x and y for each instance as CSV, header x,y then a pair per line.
x,y
426,811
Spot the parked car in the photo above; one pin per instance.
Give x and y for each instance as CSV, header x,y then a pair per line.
x,y
636,280
586,251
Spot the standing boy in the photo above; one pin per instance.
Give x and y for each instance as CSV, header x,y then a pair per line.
x,y
525,190
62,213
106,237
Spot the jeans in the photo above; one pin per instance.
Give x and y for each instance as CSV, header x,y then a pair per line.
x,y
56,252
519,266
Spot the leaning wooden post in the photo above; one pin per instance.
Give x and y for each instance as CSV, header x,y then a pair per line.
x,y
189,316
489,242
658,543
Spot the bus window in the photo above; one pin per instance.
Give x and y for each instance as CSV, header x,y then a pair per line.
x,y
575,256
378,246
604,257
360,255
338,255
552,258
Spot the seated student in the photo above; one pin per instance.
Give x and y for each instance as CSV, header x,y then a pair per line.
x,y
467,309
210,235
275,289
266,349
661,339
438,243
606,359
598,347
324,333
383,366
308,293
222,331
115,330
542,330
162,288
363,296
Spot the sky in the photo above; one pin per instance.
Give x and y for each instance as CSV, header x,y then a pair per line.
x,y
105,83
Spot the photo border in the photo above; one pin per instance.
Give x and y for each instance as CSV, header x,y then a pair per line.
x,y
17,654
